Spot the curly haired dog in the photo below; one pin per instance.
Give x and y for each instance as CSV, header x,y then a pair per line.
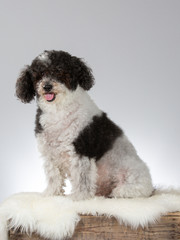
x,y
77,140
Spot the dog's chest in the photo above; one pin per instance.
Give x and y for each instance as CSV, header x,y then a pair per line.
x,y
56,137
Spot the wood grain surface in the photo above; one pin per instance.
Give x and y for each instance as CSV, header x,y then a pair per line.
x,y
102,228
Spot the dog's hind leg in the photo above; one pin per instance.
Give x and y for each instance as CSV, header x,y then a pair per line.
x,y
134,183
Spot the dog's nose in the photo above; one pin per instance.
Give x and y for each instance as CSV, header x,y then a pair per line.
x,y
47,87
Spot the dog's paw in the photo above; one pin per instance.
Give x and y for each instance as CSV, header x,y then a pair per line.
x,y
81,196
49,192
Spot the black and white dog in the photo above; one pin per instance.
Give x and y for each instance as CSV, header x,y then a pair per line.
x,y
77,140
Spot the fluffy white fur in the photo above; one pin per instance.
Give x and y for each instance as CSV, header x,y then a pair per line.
x,y
56,217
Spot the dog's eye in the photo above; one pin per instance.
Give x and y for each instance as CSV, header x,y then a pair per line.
x,y
42,74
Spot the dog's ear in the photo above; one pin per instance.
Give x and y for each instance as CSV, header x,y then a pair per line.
x,y
82,74
24,86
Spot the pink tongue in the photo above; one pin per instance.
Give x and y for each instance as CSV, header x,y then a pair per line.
x,y
49,96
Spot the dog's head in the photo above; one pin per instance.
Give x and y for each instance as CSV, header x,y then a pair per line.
x,y
50,75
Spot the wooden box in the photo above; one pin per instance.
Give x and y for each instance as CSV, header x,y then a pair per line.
x,y
102,228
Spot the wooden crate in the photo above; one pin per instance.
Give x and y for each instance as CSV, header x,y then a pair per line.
x,y
102,228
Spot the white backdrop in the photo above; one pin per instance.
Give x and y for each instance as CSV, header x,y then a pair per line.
x,y
133,47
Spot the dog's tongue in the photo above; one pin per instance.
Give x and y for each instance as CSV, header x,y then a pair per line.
x,y
49,96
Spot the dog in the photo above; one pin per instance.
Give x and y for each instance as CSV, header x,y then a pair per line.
x,y
77,140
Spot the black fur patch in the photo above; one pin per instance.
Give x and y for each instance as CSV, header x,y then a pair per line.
x,y
97,138
24,86
64,68
38,126
60,66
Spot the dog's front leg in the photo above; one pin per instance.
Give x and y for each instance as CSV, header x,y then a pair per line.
x,y
83,178
55,178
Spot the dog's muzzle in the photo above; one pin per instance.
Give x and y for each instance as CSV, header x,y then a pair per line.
x,y
49,96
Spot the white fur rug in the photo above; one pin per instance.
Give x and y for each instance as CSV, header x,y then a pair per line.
x,y
56,217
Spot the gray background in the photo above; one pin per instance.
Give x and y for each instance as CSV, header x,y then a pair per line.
x,y
133,47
